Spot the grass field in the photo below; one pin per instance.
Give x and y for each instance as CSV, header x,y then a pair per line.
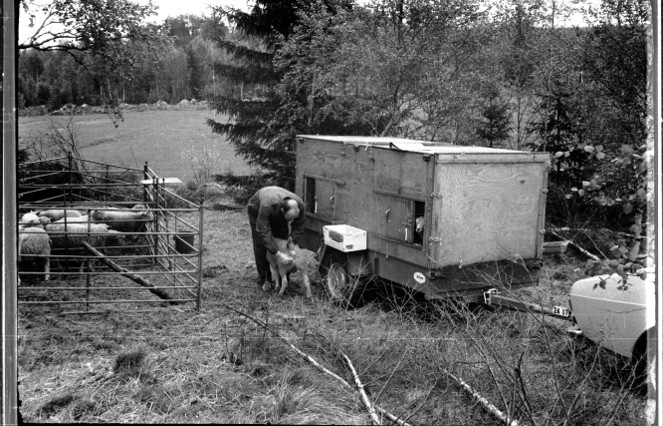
x,y
171,141
178,365
175,365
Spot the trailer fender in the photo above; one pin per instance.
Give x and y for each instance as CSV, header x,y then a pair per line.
x,y
356,263
359,264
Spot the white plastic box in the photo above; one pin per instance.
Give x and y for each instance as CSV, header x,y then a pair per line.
x,y
344,238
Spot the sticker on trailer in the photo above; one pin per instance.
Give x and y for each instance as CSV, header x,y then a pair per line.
x,y
419,277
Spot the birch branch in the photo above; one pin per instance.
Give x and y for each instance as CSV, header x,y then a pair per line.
x,y
138,279
360,389
582,250
313,362
483,401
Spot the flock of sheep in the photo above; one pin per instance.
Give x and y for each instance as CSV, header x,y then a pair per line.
x,y
41,232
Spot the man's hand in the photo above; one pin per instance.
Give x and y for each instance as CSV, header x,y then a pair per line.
x,y
283,258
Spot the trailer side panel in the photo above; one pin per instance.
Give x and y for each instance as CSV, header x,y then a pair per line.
x,y
487,211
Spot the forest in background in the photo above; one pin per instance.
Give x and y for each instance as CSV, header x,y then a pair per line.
x,y
499,74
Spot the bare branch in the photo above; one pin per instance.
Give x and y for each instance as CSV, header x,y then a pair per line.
x,y
362,393
312,361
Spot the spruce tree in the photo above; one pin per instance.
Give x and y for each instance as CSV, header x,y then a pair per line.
x,y
262,108
253,100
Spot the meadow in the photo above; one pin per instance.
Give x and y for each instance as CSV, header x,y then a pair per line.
x,y
175,364
173,142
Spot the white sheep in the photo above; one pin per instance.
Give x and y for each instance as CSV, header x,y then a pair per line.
x,y
34,244
74,219
73,234
420,222
124,220
57,214
303,260
32,219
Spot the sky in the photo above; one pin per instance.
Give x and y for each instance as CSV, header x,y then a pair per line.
x,y
174,8
167,8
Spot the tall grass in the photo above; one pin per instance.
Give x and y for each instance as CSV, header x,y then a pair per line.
x,y
215,366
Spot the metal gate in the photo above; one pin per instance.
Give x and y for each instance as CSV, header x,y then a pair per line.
x,y
154,260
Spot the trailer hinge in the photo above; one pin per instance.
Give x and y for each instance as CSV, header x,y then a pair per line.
x,y
487,295
435,239
435,195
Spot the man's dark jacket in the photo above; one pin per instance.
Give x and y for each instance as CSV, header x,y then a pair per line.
x,y
265,207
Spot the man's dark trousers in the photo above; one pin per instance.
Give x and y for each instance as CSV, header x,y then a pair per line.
x,y
259,249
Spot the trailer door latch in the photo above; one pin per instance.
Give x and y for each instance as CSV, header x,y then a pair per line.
x,y
488,294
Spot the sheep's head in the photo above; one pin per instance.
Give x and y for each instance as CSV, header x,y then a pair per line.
x,y
30,219
419,224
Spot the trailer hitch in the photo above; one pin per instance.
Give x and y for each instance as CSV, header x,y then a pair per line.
x,y
491,297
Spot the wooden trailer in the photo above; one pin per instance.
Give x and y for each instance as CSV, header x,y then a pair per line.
x,y
482,212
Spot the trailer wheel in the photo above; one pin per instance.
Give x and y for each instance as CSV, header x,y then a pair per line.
x,y
343,289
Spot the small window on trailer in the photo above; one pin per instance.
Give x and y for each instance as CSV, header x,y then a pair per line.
x,y
309,195
320,196
419,222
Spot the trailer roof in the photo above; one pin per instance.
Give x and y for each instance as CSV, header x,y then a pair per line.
x,y
411,145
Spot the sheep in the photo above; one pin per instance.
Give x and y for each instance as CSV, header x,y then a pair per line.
x,y
74,219
124,220
419,222
72,236
303,260
57,214
34,240
32,218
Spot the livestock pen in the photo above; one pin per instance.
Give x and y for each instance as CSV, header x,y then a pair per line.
x,y
97,261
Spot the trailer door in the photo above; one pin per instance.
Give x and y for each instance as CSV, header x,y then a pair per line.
x,y
396,217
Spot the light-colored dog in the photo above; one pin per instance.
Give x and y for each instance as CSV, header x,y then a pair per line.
x,y
304,260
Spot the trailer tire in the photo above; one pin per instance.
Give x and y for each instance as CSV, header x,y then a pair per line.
x,y
342,288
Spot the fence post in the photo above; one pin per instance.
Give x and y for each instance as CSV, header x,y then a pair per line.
x,y
9,412
145,176
157,236
200,258
70,160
